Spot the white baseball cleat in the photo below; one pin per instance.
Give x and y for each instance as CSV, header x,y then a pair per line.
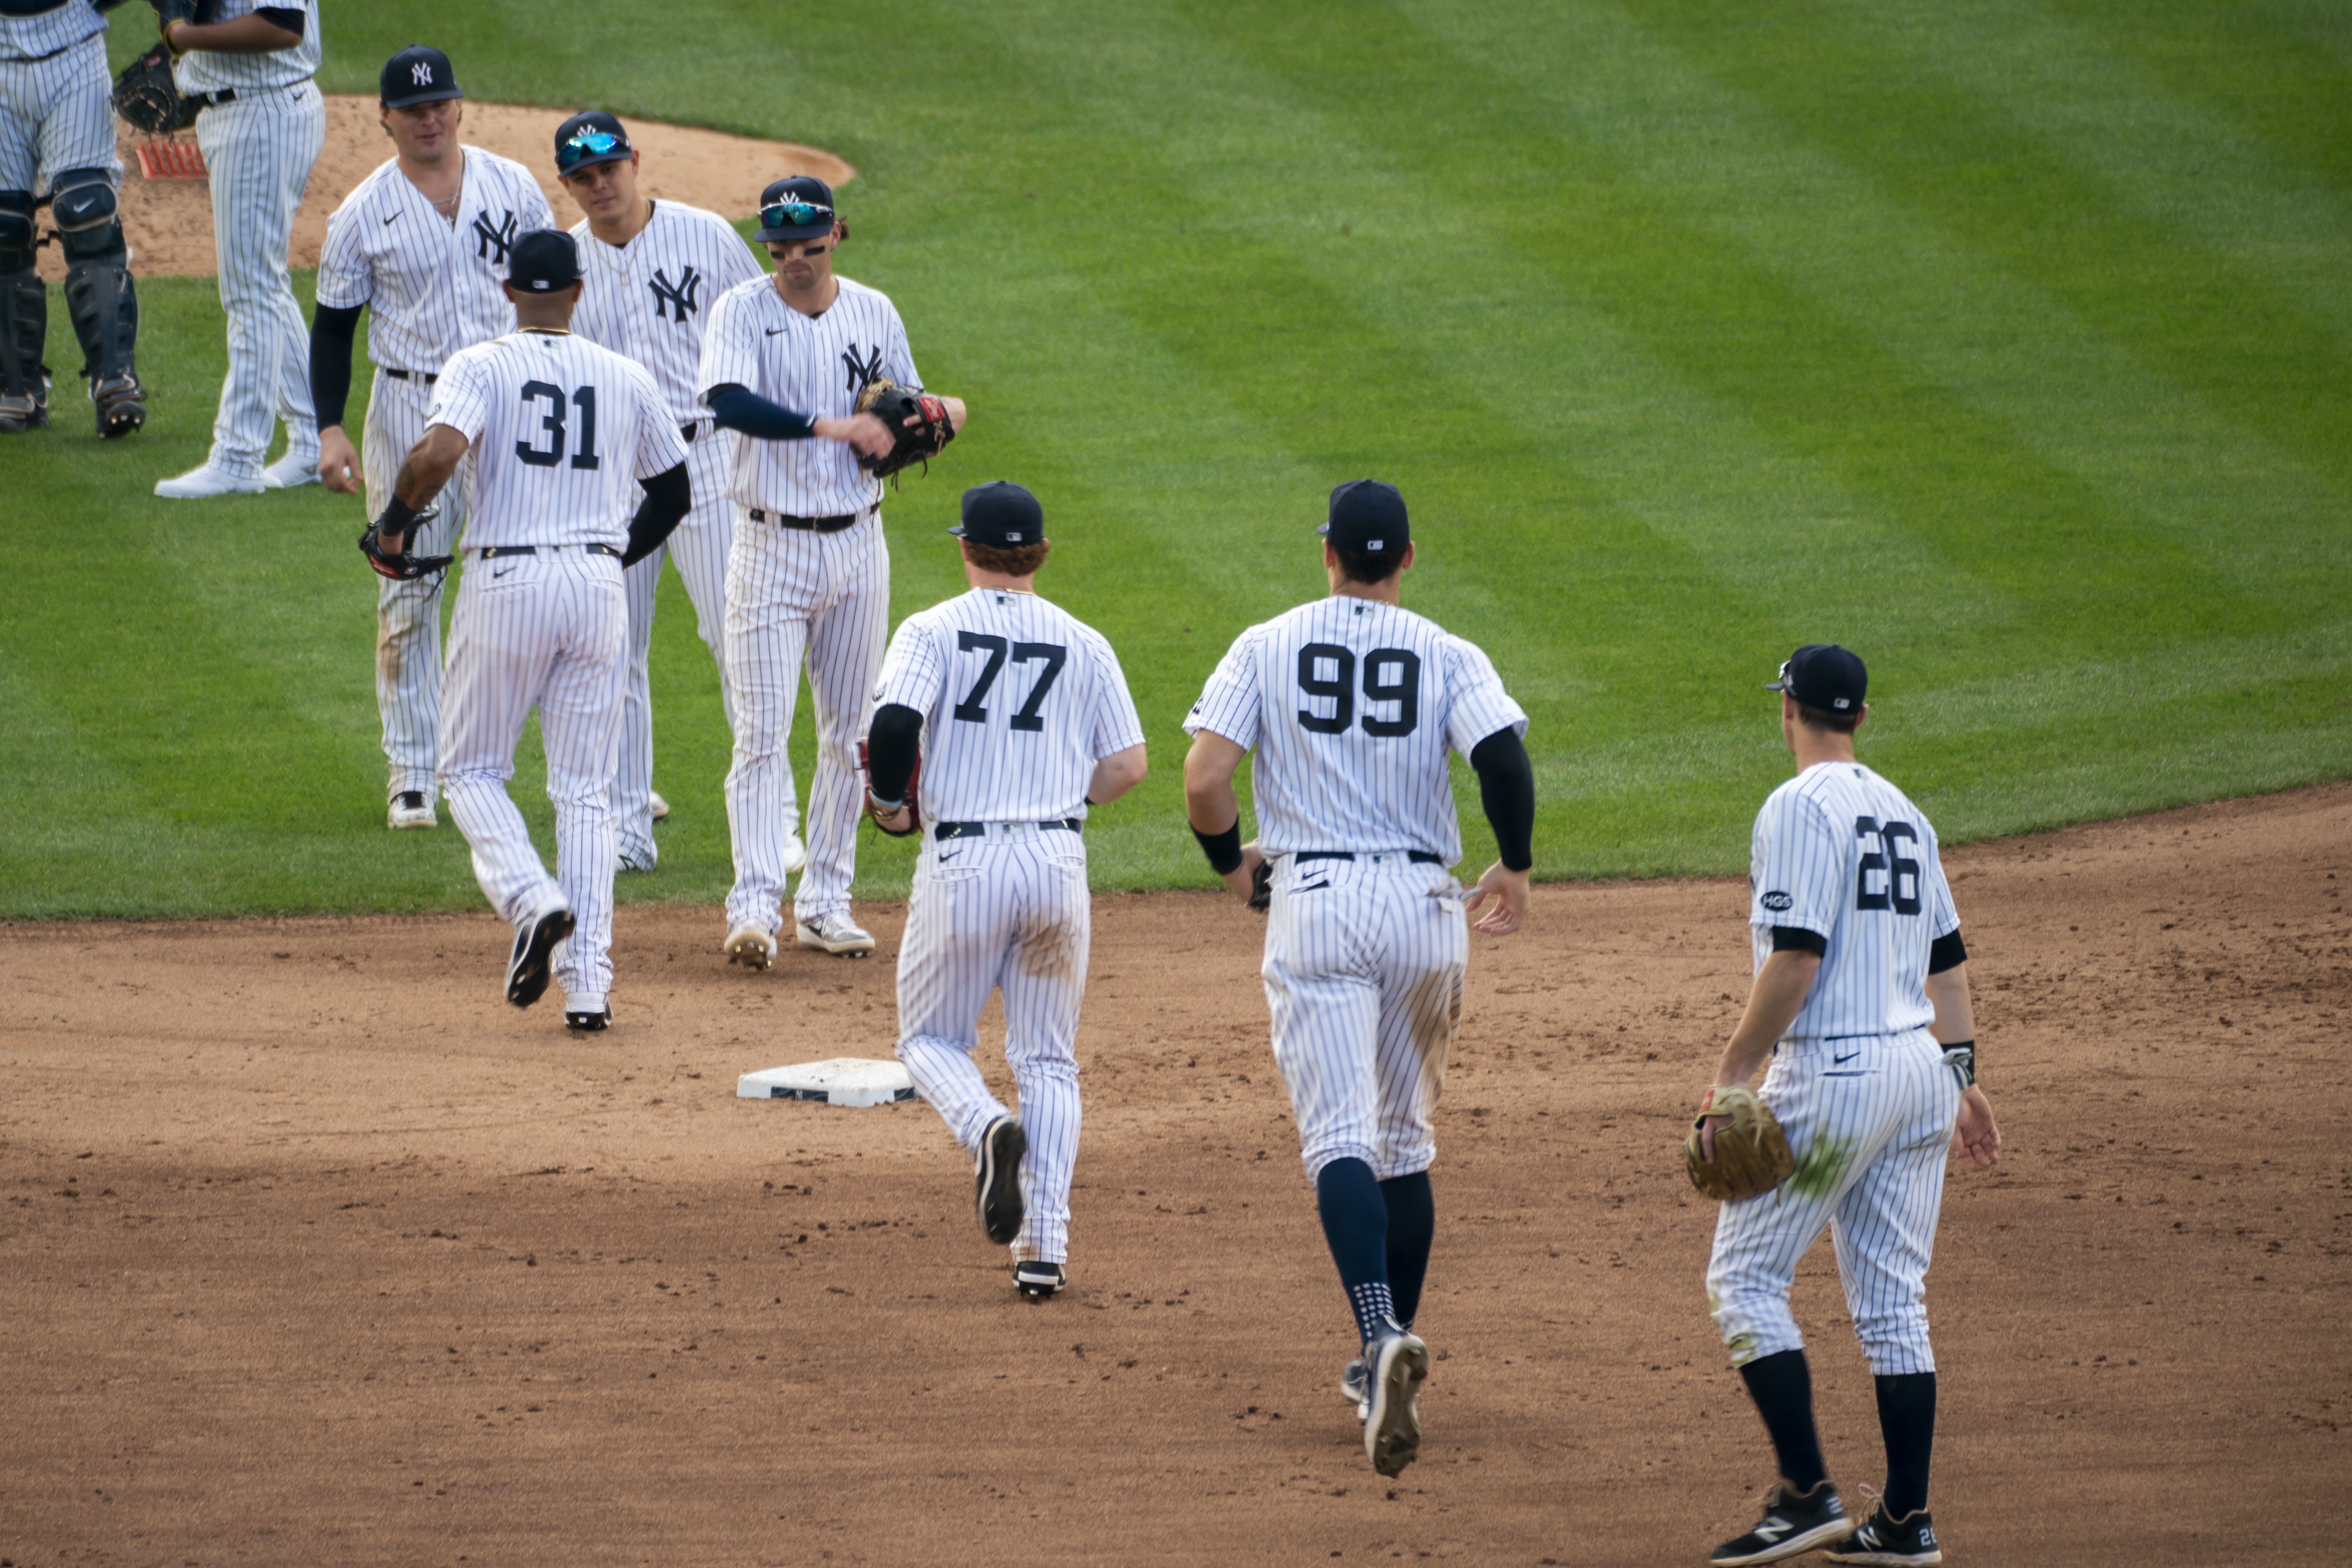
x,y
659,807
291,472
644,859
795,853
837,935
750,947
1398,1363
198,483
410,808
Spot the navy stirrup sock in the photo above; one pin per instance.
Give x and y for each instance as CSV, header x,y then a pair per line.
x,y
1782,1387
1356,1225
1412,1223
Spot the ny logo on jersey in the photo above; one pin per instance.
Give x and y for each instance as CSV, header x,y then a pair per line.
x,y
678,297
486,239
861,371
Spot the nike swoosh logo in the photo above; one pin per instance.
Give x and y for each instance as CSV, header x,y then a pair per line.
x,y
500,573
945,859
1311,887
773,331
1841,1061
394,219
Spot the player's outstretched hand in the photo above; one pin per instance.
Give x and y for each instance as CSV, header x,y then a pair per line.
x,y
1508,890
1242,879
339,466
1976,1139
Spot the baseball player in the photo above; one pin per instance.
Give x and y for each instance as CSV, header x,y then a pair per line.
x,y
562,432
261,128
56,130
1861,1003
422,245
1021,720
654,269
808,579
1351,704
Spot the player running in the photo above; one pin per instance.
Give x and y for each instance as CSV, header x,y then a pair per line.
x,y
653,267
562,432
261,128
1861,1002
1021,720
422,244
57,127
1351,704
809,580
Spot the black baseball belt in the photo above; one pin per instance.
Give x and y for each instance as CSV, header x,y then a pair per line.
x,y
1418,857
492,551
426,376
231,94
807,524
979,829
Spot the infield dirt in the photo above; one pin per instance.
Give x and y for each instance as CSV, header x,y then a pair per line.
x,y
316,1252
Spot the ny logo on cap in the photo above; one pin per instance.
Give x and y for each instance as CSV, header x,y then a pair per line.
x,y
421,73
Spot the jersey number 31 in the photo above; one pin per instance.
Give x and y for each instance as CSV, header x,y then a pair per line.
x,y
552,421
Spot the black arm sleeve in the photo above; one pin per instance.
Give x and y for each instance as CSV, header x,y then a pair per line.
x,y
1507,788
891,747
286,16
737,407
331,362
1796,939
1947,951
668,497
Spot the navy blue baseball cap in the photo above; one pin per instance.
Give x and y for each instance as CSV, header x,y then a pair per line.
x,y
418,74
588,139
1001,513
1825,676
1367,517
799,206
544,262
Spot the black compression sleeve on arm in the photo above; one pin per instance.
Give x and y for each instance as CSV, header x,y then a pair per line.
x,y
1507,788
286,16
737,407
331,362
892,745
669,495
1947,951
1796,939
1224,850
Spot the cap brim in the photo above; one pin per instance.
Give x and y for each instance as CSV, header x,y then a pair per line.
x,y
798,231
622,156
1778,685
411,99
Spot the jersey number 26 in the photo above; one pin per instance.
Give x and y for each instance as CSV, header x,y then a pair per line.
x,y
1888,862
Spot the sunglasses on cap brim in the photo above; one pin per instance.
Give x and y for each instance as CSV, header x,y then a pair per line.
x,y
586,144
794,215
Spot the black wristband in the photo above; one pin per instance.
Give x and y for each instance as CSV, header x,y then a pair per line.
x,y
1224,850
1961,1058
397,515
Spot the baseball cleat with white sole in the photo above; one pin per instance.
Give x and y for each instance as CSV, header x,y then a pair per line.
x,y
1792,1525
1396,1366
837,935
750,947
1039,1281
657,805
197,484
996,1180
292,471
1355,1385
536,936
410,808
795,853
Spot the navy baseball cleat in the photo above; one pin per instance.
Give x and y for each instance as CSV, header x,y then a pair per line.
x,y
1396,1365
1355,1384
1038,1281
1792,1526
1887,1542
535,939
587,1021
996,1179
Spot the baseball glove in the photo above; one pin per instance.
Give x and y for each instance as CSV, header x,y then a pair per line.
x,y
881,815
918,442
146,98
1751,1152
1261,887
403,565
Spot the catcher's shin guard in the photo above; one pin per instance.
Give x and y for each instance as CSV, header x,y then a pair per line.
x,y
99,296
24,319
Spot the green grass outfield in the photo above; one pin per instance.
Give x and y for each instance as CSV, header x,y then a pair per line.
x,y
2010,343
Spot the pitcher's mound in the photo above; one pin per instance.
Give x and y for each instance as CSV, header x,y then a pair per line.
x,y
170,221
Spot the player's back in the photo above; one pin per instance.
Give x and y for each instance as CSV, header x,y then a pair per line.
x,y
1351,706
556,423
1025,699
1842,852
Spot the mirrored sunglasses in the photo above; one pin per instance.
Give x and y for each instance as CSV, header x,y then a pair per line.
x,y
583,144
793,214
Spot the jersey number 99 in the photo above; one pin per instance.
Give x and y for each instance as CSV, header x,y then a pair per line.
x,y
1391,675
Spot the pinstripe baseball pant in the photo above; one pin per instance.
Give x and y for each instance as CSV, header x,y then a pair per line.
x,y
1869,1120
1008,912
699,548
793,594
550,630
408,615
1364,961
258,149
56,114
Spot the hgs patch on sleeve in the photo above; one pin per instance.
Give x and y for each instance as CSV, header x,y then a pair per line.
x,y
1777,902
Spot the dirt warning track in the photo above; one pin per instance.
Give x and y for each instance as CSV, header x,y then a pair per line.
x,y
316,1252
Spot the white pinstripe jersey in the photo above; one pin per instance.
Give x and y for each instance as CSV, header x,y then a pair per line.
x,y
560,428
46,32
651,298
815,366
1350,707
1020,699
208,70
431,287
1842,853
